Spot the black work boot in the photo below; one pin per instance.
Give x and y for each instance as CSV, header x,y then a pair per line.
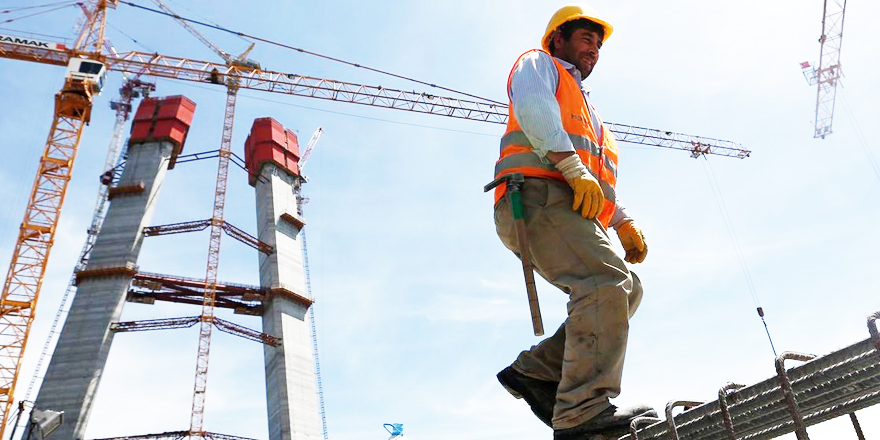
x,y
611,422
539,394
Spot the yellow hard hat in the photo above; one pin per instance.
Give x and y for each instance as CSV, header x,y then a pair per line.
x,y
573,12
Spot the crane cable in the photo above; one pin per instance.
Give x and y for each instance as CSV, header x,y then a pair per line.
x,y
719,199
196,13
130,38
23,32
872,161
10,20
286,46
24,8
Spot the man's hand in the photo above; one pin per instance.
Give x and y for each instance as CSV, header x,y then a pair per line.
x,y
588,197
633,242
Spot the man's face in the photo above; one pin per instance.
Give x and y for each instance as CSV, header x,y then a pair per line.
x,y
582,49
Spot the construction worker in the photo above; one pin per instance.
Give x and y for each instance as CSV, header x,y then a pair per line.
x,y
557,140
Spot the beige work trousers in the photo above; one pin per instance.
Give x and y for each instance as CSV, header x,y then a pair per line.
x,y
574,254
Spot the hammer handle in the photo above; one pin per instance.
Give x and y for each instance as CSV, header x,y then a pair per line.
x,y
522,240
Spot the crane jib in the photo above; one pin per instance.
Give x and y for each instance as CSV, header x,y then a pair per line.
x,y
290,84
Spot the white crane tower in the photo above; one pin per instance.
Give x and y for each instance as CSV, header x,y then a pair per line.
x,y
827,74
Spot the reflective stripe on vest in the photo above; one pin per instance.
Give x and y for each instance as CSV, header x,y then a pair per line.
x,y
521,162
519,138
582,145
517,155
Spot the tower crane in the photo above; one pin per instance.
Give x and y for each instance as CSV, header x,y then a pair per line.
x,y
87,65
827,74
312,141
73,106
207,317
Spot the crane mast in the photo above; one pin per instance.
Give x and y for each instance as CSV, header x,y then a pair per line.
x,y
73,106
827,74
206,324
91,37
207,318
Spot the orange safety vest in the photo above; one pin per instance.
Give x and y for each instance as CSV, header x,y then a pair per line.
x,y
517,155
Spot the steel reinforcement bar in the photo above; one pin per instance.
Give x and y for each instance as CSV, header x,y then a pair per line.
x,y
818,390
178,435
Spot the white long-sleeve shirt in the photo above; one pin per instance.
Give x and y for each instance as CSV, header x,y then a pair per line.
x,y
533,97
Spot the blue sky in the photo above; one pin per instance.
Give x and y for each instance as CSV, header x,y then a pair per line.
x,y
418,303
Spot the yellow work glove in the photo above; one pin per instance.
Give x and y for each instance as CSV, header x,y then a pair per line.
x,y
588,197
633,242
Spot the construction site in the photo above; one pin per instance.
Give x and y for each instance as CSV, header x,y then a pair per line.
x,y
267,221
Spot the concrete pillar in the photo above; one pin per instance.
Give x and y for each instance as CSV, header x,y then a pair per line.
x,y
290,368
75,370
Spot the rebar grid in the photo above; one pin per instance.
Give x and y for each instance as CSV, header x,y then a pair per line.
x,y
826,387
179,435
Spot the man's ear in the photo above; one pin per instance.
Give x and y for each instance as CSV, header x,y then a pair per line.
x,y
557,40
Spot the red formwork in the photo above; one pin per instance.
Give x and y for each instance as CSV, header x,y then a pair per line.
x,y
269,141
163,119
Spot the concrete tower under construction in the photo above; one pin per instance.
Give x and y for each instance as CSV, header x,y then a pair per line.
x,y
272,157
111,276
74,373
